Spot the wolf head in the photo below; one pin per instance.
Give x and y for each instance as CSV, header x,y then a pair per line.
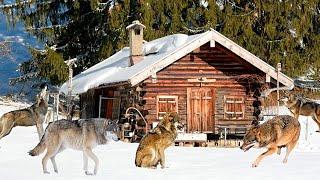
x,y
251,139
112,130
290,98
171,120
43,95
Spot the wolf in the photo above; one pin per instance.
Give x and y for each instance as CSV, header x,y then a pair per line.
x,y
33,115
82,135
280,131
301,106
151,149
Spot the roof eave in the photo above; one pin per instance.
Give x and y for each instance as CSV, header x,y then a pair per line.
x,y
114,84
251,58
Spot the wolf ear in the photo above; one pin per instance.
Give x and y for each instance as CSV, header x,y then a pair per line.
x,y
255,123
106,122
38,99
44,92
170,118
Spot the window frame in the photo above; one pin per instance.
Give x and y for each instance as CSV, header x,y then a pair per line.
x,y
234,102
166,97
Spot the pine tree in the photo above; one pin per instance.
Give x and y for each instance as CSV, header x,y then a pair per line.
x,y
276,31
57,23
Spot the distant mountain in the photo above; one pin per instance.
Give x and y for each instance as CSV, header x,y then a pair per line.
x,y
19,40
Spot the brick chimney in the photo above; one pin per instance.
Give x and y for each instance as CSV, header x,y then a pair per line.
x,y
136,42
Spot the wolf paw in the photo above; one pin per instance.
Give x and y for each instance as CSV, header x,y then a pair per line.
x,y
89,174
279,152
56,171
254,165
285,161
46,172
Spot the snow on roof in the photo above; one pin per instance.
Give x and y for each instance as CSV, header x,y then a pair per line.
x,y
307,84
135,23
158,54
116,68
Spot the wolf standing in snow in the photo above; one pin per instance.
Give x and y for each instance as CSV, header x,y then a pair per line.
x,y
81,135
152,146
301,106
280,131
33,115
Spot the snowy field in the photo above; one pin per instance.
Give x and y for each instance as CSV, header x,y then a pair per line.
x,y
117,160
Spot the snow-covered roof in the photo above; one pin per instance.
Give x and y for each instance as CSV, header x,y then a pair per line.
x,y
307,84
159,54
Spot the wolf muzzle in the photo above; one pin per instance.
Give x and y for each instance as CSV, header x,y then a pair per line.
x,y
113,136
284,99
246,147
179,126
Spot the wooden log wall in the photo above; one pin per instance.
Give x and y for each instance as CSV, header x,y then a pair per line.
x,y
88,103
212,63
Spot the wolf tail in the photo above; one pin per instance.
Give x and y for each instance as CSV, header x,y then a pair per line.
x,y
41,145
137,161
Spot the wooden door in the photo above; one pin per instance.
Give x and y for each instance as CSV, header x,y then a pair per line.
x,y
200,114
108,103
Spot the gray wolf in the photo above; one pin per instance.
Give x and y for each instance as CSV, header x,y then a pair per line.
x,y
151,149
33,115
301,106
280,131
82,135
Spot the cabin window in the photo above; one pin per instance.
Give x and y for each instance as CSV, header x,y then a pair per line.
x,y
166,104
234,107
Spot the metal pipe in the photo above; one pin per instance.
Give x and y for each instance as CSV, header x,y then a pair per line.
x,y
266,93
145,121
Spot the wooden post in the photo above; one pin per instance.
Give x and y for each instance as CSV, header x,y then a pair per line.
x,y
69,98
57,107
99,116
307,129
70,63
278,95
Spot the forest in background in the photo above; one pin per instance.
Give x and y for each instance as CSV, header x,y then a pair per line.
x,y
283,31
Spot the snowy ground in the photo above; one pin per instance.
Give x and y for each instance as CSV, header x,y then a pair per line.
x,y
117,161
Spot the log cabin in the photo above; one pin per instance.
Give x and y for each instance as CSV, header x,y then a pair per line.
x,y
209,80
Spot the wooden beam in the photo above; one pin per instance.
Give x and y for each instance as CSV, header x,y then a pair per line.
x,y
212,43
267,78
